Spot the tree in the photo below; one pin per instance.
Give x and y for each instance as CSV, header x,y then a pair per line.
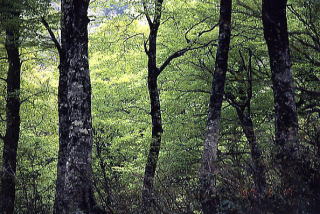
x,y
208,165
286,120
11,137
243,109
153,73
74,188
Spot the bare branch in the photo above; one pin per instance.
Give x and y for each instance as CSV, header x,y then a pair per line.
x,y
249,76
53,37
36,94
171,57
251,11
146,13
209,30
231,99
145,42
193,26
189,91
315,94
180,53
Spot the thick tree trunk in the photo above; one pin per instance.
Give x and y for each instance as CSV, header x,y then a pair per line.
x,y
208,168
74,189
11,138
276,36
286,122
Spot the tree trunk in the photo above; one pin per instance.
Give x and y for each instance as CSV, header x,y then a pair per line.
x,y
155,112
208,166
286,122
153,72
150,169
259,175
63,135
74,188
11,138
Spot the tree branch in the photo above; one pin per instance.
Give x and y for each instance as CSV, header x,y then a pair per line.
x,y
193,26
231,99
145,42
33,95
180,53
249,76
53,37
146,13
158,12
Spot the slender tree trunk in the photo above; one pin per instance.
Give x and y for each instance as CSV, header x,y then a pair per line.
x,y
74,188
259,175
208,166
11,138
155,109
153,72
317,143
153,156
63,135
286,122
243,109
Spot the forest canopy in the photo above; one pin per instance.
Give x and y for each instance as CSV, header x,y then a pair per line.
x,y
160,106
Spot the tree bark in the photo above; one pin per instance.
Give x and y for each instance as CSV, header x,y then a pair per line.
x,y
11,138
208,166
151,165
258,167
74,188
153,73
286,121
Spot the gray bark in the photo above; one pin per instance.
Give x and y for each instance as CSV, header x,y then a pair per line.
x,y
286,121
208,166
74,188
276,36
